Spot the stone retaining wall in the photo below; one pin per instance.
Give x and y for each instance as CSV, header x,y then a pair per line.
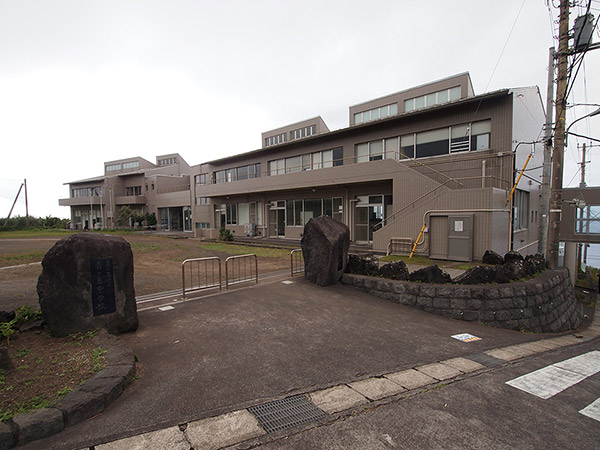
x,y
545,303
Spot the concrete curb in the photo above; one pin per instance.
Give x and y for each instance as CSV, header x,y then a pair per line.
x,y
85,401
346,399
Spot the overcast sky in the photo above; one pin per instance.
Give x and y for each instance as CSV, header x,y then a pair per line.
x,y
83,82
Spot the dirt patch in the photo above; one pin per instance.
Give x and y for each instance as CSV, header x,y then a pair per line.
x,y
156,260
45,369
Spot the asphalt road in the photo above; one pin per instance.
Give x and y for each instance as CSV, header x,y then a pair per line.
x,y
249,346
479,412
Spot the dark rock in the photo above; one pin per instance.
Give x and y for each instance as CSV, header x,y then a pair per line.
x,y
512,256
538,261
430,274
325,244
78,405
5,361
477,275
78,291
7,438
513,269
359,265
6,316
395,271
39,424
491,257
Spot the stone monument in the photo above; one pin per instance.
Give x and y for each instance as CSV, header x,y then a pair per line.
x,y
87,283
325,246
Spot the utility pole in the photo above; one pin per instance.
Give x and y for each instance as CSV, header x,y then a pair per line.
x,y
547,167
559,137
26,205
582,164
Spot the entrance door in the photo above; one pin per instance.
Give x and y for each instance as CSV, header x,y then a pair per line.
x,y
187,218
368,216
277,219
460,238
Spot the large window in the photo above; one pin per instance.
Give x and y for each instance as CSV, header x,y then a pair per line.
x,y
376,150
457,138
520,210
131,165
112,167
299,212
308,161
86,192
274,140
237,173
587,220
133,190
303,132
435,98
376,113
201,179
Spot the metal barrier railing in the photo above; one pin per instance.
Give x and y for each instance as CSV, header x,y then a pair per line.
x,y
296,261
200,274
239,269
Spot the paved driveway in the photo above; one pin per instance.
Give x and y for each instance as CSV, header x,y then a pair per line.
x,y
252,345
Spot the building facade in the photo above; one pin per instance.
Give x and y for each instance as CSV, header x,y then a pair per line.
x,y
434,158
162,188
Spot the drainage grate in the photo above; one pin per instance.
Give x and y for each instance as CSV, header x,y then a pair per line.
x,y
287,413
486,360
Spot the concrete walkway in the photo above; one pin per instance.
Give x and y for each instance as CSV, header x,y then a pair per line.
x,y
205,362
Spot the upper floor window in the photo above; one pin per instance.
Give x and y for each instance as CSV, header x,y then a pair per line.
x,y
457,138
376,150
201,201
587,220
111,167
131,165
86,192
167,161
237,173
133,190
376,113
201,179
308,161
435,98
520,210
303,132
274,140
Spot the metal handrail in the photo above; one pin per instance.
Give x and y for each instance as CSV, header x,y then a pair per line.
x,y
245,277
292,259
200,286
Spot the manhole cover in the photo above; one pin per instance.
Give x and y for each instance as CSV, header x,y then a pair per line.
x,y
287,413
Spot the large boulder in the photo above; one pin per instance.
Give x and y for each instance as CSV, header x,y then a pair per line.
x,y
512,256
395,270
477,275
491,257
87,283
361,265
538,261
325,244
430,274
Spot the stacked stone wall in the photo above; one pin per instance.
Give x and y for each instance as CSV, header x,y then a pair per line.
x,y
543,304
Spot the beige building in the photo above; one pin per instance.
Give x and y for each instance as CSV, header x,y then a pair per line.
x,y
434,157
162,188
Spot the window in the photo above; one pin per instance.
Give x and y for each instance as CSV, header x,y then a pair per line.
x,y
520,210
86,192
112,167
435,98
201,201
131,165
237,173
432,143
303,132
480,135
376,113
201,179
587,220
274,140
309,161
133,190
202,225
231,213
167,161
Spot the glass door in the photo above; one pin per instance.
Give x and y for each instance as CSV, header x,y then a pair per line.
x,y
277,219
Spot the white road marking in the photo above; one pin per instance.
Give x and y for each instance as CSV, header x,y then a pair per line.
x,y
592,410
166,308
551,380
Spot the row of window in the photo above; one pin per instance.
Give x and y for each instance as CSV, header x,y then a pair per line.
x,y
274,140
201,178
299,212
131,165
86,192
303,132
167,161
376,113
238,213
308,161
111,167
435,98
237,173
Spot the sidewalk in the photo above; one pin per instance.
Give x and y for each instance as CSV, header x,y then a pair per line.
x,y
204,364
